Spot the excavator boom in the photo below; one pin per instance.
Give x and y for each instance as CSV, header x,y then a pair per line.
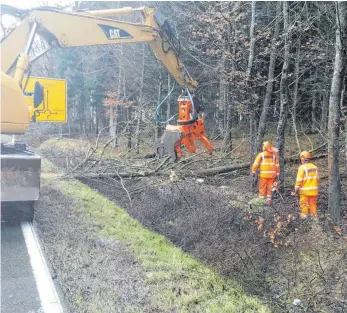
x,y
68,29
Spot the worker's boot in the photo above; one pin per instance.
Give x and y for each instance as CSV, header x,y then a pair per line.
x,y
303,216
315,218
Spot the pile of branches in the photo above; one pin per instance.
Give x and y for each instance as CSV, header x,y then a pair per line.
x,y
128,164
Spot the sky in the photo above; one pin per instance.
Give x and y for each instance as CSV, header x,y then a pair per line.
x,y
28,4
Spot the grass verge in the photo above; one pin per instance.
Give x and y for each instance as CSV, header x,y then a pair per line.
x,y
179,283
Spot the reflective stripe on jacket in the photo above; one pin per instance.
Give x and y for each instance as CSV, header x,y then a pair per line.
x,y
268,165
307,180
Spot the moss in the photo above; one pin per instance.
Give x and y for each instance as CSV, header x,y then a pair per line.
x,y
237,203
72,145
47,166
180,283
257,202
62,144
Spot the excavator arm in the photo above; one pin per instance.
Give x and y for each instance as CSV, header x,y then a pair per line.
x,y
90,28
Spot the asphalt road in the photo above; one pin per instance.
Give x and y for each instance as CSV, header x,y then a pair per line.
x,y
18,288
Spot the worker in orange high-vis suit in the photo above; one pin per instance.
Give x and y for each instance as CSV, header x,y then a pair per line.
x,y
269,170
307,181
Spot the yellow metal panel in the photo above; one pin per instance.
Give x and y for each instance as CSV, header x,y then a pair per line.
x,y
14,44
53,108
14,114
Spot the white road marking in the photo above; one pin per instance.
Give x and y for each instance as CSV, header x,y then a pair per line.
x,y
48,295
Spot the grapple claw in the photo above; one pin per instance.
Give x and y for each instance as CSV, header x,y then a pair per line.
x,y
189,128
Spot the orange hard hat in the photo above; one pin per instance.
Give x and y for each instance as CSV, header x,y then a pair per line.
x,y
267,145
305,155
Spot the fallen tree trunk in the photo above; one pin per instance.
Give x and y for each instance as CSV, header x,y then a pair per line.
x,y
200,173
113,175
219,170
231,168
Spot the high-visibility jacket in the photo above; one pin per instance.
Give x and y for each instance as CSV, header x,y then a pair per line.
x,y
307,180
268,165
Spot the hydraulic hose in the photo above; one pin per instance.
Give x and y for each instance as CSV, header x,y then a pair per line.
x,y
156,113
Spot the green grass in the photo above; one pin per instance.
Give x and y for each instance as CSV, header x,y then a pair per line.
x,y
179,282
67,146
47,166
64,144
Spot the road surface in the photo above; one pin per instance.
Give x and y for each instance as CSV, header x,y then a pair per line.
x,y
26,284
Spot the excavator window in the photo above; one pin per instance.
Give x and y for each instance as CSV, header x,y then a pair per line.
x,y
38,94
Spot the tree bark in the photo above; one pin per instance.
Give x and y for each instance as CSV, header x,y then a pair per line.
x,y
344,114
314,106
168,101
116,108
158,126
128,126
313,112
139,113
97,117
252,122
111,122
270,79
334,114
324,114
283,95
252,43
229,98
325,101
295,95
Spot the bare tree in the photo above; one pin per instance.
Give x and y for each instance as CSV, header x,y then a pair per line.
x,y
140,103
228,114
119,88
283,94
324,114
270,79
160,90
168,101
334,113
252,123
295,94
314,105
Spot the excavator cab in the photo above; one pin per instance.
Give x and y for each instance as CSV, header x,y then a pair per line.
x,y
190,127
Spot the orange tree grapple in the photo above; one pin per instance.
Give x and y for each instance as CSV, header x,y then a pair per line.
x,y
189,128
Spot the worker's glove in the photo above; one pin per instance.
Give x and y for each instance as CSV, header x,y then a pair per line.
x,y
293,193
274,186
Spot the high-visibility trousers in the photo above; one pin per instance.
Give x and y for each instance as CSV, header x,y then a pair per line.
x,y
265,187
308,205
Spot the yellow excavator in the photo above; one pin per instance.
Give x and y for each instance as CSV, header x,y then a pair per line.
x,y
20,168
